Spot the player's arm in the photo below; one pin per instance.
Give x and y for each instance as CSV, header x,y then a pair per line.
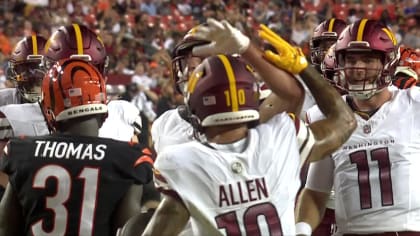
x,y
333,131
128,206
6,132
225,39
170,218
312,201
330,133
10,213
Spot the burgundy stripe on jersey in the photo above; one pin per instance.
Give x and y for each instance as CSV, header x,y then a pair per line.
x,y
305,139
296,121
159,177
172,194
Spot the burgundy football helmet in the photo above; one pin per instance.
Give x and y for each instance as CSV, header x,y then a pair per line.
x,y
222,90
180,56
329,70
76,41
26,68
367,36
324,35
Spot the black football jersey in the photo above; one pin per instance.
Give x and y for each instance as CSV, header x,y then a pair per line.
x,y
71,185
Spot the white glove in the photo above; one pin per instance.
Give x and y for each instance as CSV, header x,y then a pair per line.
x,y
225,39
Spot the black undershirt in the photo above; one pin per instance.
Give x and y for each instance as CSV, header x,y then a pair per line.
x,y
364,114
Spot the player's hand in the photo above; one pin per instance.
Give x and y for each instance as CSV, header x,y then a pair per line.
x,y
225,39
288,58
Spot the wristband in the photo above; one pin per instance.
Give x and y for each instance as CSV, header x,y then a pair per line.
x,y
303,228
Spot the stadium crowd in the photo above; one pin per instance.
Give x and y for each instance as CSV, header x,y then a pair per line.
x,y
139,35
209,87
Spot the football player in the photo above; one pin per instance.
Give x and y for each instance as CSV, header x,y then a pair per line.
x,y
323,37
20,113
329,70
222,97
26,71
72,182
78,41
172,126
375,171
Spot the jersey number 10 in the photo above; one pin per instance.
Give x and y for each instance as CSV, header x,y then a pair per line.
x,y
229,220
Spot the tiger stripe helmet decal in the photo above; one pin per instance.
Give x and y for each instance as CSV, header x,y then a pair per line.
x,y
73,88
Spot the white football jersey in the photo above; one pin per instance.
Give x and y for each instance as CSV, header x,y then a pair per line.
x,y
233,193
309,100
376,172
9,96
122,118
25,119
170,129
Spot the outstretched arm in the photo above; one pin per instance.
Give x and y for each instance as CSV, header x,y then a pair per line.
x,y
129,206
170,218
225,39
312,201
287,93
333,131
340,122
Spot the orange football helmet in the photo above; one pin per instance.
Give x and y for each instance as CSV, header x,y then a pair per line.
x,y
72,88
411,58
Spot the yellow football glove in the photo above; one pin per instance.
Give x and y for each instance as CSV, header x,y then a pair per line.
x,y
289,58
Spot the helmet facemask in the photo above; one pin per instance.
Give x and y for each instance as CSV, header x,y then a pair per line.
x,y
28,77
183,67
320,46
364,72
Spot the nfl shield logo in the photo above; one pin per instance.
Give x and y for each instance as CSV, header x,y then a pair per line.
x,y
367,129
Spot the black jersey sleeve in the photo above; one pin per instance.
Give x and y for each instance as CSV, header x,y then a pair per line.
x,y
137,161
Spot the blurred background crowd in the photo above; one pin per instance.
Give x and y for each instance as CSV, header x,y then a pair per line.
x,y
140,34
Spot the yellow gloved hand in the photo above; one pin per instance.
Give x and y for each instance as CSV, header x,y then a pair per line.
x,y
288,58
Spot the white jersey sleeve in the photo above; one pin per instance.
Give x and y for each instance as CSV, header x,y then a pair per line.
x,y
309,99
8,96
6,131
170,129
321,175
122,121
26,119
305,137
